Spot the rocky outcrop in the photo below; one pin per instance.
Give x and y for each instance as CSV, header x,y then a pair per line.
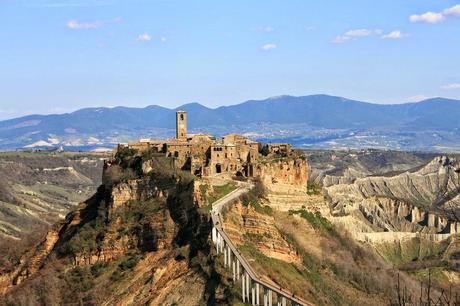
x,y
285,182
245,225
137,190
418,201
154,216
291,173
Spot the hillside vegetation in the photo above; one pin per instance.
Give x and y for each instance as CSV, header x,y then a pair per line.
x,y
141,239
38,189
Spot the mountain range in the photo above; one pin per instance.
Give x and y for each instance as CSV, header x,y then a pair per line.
x,y
319,121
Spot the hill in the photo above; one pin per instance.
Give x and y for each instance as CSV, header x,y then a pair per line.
x,y
319,121
144,238
39,188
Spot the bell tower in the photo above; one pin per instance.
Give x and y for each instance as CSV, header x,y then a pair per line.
x,y
181,125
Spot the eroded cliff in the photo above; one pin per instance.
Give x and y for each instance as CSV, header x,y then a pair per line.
x,y
141,239
425,200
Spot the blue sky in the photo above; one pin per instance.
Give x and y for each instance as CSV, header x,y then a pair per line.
x,y
58,56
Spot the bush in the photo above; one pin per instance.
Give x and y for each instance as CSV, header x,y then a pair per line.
x,y
125,153
115,174
129,262
316,220
313,188
264,150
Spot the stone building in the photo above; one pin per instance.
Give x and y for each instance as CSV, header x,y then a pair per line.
x,y
279,148
204,155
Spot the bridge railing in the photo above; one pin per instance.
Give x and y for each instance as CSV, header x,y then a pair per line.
x,y
251,283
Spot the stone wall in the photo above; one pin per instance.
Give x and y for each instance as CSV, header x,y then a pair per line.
x,y
284,174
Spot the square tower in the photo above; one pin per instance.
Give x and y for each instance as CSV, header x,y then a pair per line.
x,y
181,125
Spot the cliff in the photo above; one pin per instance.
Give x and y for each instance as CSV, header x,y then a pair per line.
x,y
141,239
285,180
289,173
423,200
243,222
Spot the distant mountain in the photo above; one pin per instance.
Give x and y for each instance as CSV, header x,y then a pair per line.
x,y
318,120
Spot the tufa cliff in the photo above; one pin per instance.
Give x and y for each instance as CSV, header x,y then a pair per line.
x,y
425,200
141,239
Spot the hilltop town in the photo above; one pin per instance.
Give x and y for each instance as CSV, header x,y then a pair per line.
x,y
204,155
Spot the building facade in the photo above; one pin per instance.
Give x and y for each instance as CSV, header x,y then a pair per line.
x,y
204,155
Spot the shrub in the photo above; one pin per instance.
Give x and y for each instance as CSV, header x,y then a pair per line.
x,y
129,262
125,153
316,220
264,150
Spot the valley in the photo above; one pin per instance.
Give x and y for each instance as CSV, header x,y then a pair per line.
x,y
336,228
38,189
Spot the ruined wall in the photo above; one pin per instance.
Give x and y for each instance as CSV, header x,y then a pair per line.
x,y
284,174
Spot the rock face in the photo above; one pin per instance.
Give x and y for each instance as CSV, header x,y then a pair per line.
x,y
285,182
418,201
244,223
288,173
329,167
153,216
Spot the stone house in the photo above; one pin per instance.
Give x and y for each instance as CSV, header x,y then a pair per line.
x,y
204,155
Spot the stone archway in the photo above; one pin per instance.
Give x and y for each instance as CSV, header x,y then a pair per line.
x,y
218,168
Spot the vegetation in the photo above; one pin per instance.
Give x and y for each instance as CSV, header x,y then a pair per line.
x,y
43,178
80,285
217,193
221,191
316,220
11,250
313,188
413,252
296,278
347,275
264,150
254,198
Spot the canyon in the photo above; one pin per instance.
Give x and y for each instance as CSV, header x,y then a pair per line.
x,y
144,237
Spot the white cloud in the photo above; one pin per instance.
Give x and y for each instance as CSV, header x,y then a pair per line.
x,y
356,34
163,39
451,86
268,47
429,17
436,17
76,25
455,10
340,39
360,33
144,37
397,34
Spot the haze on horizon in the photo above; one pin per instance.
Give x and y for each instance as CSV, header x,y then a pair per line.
x,y
58,56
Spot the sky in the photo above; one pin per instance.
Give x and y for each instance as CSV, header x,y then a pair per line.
x,y
59,56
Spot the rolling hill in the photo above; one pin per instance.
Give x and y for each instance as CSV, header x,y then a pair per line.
x,y
320,121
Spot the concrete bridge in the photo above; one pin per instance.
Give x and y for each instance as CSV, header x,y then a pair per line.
x,y
255,291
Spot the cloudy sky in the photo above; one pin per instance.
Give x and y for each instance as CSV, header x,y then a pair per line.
x,y
57,56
